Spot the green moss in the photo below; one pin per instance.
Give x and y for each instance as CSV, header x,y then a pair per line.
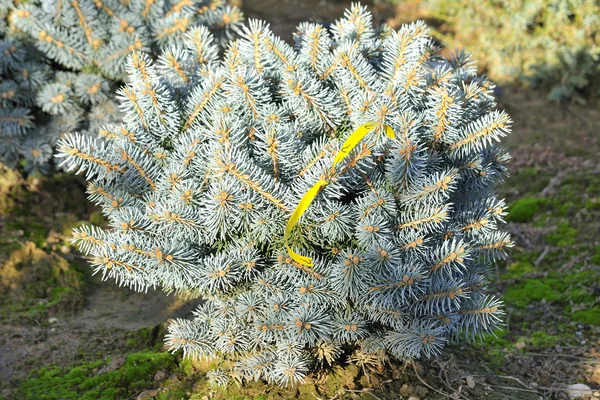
x,y
564,235
593,204
495,339
339,379
541,339
146,338
82,381
187,366
526,182
11,191
523,210
34,284
579,277
249,391
595,259
518,269
523,293
33,231
590,316
173,394
68,223
131,343
98,219
579,295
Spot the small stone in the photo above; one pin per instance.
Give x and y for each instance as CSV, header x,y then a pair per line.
x,y
491,380
65,249
418,368
558,348
147,394
160,376
404,390
578,390
115,363
52,320
174,377
596,394
470,382
520,345
596,376
413,398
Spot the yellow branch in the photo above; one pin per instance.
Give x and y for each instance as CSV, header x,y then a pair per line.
x,y
451,294
442,117
303,268
245,178
74,152
437,218
347,63
130,93
177,7
454,256
471,137
95,43
138,168
173,62
486,310
314,48
199,107
406,281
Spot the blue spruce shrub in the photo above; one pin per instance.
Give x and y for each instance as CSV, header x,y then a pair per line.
x,y
215,153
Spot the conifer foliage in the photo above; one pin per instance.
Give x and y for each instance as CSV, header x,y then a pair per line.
x,y
22,73
215,153
87,43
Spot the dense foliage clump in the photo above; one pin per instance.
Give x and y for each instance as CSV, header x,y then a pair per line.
x,y
553,44
22,74
75,53
215,152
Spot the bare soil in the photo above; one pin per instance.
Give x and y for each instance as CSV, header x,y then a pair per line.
x,y
98,330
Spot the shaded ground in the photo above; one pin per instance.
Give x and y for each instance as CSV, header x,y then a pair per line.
x,y
285,15
106,342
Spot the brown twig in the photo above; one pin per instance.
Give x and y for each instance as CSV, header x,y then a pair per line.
x,y
429,386
367,391
445,380
542,256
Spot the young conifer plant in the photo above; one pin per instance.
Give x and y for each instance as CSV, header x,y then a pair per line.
x,y
215,153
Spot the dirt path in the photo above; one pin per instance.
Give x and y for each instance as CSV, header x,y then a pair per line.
x,y
109,306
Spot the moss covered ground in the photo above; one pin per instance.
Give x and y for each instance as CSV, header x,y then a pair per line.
x,y
39,274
